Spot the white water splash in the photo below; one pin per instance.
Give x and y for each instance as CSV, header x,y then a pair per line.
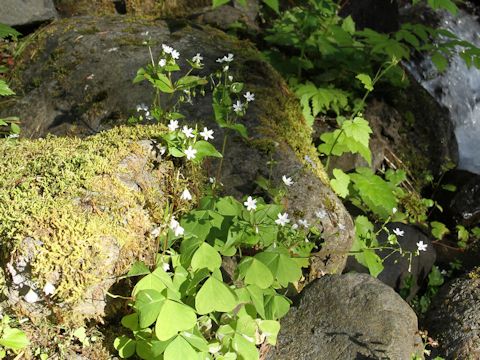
x,y
458,89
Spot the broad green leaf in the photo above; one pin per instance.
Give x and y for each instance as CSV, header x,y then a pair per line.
x,y
245,348
270,329
435,278
130,321
164,84
138,268
273,4
204,148
228,206
206,257
217,3
189,81
276,307
125,346
178,349
151,349
173,318
284,269
214,295
148,304
372,262
256,295
340,183
366,81
236,87
196,339
348,25
13,338
255,272
444,4
157,280
6,31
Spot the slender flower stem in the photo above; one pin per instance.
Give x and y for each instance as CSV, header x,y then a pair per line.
x,y
224,146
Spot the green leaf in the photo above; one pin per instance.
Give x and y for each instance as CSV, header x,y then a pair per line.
x,y
373,262
435,278
348,25
164,84
206,257
272,4
189,81
178,349
449,187
444,4
6,31
358,129
245,348
440,62
4,89
439,230
214,295
217,3
256,295
157,280
196,339
125,346
138,268
151,349
270,329
14,128
130,321
236,87
148,304
366,81
340,183
204,148
276,307
255,272
284,269
13,338
173,318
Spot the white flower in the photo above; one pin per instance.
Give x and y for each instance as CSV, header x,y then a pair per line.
x,y
282,219
230,77
18,279
188,132
251,203
421,246
238,106
173,125
49,289
142,107
175,54
155,232
206,134
197,59
175,226
190,152
167,49
162,62
186,195
287,180
304,223
225,68
394,210
398,232
321,213
31,297
306,240
166,267
228,58
249,96
211,180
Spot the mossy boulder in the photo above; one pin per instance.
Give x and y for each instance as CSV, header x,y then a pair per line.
x,y
76,214
77,79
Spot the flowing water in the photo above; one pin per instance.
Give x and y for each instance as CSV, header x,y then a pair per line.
x,y
458,89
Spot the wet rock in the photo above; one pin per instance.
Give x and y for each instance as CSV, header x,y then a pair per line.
x,y
465,205
352,316
454,318
379,15
80,82
397,268
26,12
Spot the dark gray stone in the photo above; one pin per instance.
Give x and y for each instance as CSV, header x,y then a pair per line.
x,y
397,267
454,318
25,12
77,80
352,316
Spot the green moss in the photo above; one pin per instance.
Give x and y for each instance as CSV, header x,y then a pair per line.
x,y
67,193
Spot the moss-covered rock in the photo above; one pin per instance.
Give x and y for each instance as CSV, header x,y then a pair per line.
x,y
76,214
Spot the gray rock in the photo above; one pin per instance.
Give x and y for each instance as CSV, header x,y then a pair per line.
x,y
80,82
454,318
352,316
26,12
397,267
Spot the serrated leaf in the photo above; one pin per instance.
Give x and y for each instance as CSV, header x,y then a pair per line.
x,y
358,129
366,81
340,183
173,318
439,230
440,62
214,295
5,89
206,257
348,25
